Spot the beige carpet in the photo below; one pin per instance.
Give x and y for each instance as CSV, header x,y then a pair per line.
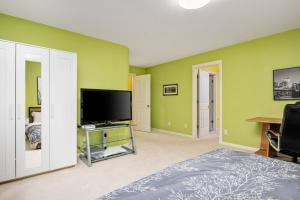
x,y
155,152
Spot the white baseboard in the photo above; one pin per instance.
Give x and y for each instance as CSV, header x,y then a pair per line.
x,y
170,132
242,147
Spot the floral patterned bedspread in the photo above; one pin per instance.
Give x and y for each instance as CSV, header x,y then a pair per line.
x,y
220,174
33,133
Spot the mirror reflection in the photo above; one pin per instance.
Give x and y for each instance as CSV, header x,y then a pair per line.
x,y
33,122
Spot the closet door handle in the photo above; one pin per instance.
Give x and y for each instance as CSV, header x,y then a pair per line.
x,y
52,111
18,111
11,116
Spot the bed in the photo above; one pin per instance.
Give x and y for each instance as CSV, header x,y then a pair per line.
x,y
220,174
33,128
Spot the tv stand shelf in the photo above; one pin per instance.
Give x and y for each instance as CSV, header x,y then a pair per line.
x,y
95,153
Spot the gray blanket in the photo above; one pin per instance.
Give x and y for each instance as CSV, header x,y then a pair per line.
x,y
33,133
220,174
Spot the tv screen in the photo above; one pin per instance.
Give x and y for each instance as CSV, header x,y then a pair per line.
x,y
99,106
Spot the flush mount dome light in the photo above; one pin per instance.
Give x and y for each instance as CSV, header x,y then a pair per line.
x,y
193,4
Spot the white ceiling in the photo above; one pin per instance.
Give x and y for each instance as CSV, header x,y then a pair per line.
x,y
157,31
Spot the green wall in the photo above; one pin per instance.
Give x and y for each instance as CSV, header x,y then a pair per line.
x,y
33,71
98,60
247,74
137,70
247,86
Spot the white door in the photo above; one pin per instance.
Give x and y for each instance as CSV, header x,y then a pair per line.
x,y
32,89
203,103
142,99
7,108
63,97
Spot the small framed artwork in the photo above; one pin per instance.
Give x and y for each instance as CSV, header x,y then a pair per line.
x,y
39,90
170,89
286,84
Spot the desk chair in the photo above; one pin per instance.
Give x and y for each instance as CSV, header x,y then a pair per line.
x,y
287,140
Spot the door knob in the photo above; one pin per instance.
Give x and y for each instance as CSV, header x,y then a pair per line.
x,y
148,106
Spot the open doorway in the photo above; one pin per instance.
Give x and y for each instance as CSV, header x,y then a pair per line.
x,y
213,114
207,100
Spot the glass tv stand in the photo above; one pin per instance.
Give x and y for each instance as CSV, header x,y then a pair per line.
x,y
103,151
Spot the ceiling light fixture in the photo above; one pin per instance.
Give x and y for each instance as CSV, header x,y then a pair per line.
x,y
193,4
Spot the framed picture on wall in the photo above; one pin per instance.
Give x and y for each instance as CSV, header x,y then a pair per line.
x,y
286,84
170,89
39,90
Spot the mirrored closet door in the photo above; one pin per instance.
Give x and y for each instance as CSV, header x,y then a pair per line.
x,y
32,110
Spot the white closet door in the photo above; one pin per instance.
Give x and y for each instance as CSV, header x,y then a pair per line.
x,y
29,160
63,117
7,108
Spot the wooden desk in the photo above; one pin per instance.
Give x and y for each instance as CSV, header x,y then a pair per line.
x,y
266,122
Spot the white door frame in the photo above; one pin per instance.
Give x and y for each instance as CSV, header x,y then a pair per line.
x,y
195,70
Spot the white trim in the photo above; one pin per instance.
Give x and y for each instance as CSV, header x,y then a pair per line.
x,y
242,147
156,130
195,69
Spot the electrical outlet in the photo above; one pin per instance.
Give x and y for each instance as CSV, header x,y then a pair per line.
x,y
226,132
169,123
185,125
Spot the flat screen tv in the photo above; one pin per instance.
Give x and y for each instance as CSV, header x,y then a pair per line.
x,y
104,106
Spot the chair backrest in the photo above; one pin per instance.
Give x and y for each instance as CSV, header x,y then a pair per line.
x,y
290,129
